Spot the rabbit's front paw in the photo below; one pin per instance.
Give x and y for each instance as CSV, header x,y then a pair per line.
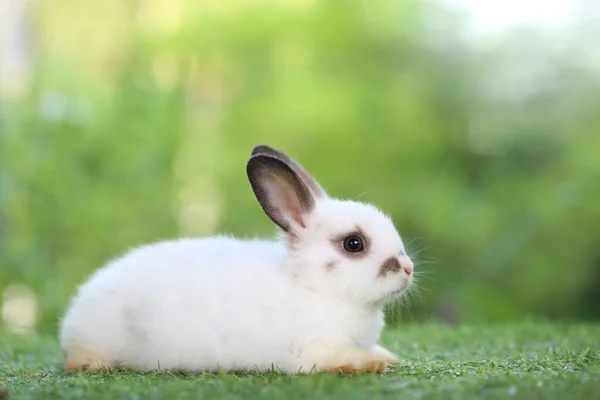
x,y
84,361
357,361
385,355
377,367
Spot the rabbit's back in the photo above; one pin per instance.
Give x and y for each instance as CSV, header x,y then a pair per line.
x,y
168,304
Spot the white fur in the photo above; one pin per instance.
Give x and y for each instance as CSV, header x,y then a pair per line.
x,y
221,302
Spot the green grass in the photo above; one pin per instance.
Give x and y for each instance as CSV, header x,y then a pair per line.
x,y
527,361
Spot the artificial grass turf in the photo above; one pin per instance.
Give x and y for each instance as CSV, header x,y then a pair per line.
x,y
525,360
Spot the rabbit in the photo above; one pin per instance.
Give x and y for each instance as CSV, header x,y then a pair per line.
x,y
309,300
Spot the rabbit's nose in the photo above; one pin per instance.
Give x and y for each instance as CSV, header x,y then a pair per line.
x,y
407,265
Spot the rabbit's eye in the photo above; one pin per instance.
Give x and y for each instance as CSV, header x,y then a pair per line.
x,y
354,244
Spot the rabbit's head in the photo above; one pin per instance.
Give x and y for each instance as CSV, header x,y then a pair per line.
x,y
347,249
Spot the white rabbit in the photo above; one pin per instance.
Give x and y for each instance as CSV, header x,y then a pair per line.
x,y
309,301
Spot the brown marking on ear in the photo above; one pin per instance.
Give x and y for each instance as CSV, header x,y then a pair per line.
x,y
316,189
391,265
330,265
297,216
282,195
338,243
265,149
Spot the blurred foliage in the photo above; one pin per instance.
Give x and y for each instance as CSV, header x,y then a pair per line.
x,y
139,118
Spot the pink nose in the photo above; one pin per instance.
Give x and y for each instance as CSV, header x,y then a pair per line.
x,y
407,266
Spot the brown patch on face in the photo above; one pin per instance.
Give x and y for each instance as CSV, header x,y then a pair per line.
x,y
338,243
390,266
330,265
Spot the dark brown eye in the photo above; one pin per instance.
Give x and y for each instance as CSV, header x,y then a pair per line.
x,y
354,244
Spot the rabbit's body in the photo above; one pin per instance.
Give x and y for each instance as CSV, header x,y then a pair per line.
x,y
310,300
128,314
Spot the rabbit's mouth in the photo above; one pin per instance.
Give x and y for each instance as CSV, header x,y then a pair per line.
x,y
391,295
397,292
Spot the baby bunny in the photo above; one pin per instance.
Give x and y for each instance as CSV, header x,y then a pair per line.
x,y
309,301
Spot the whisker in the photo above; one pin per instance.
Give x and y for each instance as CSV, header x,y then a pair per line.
x,y
412,241
421,272
432,260
417,279
360,195
415,253
424,262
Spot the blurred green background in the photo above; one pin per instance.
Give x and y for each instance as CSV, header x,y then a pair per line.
x,y
124,122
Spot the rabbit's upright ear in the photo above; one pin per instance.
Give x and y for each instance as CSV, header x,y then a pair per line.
x,y
283,196
314,186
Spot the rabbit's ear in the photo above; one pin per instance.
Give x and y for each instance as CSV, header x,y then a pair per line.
x,y
314,186
283,196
